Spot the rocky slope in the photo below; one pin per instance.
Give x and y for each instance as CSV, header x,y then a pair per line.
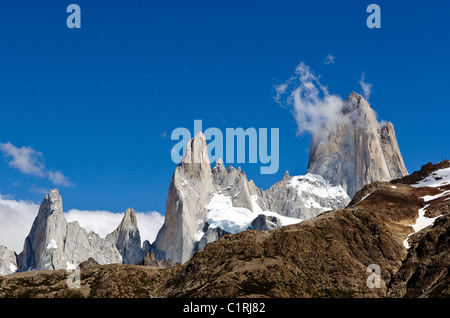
x,y
357,153
327,256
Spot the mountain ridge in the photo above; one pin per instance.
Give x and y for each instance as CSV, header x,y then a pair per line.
x,y
326,256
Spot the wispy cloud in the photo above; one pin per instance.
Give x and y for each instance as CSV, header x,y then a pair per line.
x,y
30,161
366,87
314,108
25,159
329,59
38,190
57,178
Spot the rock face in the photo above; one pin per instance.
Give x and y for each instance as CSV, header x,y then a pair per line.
x,y
265,223
55,244
233,183
304,197
191,189
8,263
127,239
204,204
357,153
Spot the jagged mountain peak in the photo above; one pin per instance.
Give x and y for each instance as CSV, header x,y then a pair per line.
x,y
52,203
196,151
129,219
126,238
357,151
53,243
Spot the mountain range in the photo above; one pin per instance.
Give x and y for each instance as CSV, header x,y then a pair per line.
x,y
401,226
311,235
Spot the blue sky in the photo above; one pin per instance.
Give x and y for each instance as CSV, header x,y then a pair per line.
x,y
96,105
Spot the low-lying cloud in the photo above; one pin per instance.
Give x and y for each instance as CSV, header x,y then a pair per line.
x,y
104,222
17,216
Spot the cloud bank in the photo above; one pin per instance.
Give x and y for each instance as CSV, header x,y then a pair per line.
x,y
30,161
16,219
104,222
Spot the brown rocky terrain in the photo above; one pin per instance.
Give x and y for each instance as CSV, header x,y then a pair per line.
x,y
326,256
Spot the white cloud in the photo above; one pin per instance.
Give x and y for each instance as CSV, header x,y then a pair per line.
x,y
30,161
25,159
57,178
104,222
16,219
329,59
366,87
314,108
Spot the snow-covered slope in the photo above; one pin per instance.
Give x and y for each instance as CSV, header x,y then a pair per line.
x,y
305,196
222,214
436,179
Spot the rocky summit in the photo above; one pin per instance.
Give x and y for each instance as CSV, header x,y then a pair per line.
x,y
401,227
358,152
127,240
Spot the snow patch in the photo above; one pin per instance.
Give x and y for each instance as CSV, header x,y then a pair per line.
x,y
70,266
316,185
52,244
199,235
434,197
365,197
438,178
421,223
12,267
222,214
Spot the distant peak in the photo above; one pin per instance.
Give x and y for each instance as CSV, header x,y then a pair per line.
x,y
130,217
196,150
52,203
354,95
